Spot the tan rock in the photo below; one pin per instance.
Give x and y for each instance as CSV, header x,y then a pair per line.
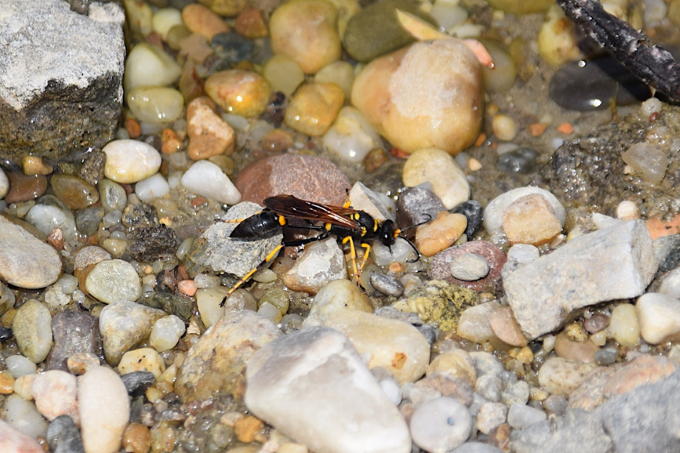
x,y
34,165
250,23
456,363
314,108
227,8
561,376
305,31
574,350
644,369
531,220
209,135
441,233
505,327
203,21
427,95
196,47
474,323
240,92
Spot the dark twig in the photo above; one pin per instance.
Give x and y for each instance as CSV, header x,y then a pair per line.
x,y
651,64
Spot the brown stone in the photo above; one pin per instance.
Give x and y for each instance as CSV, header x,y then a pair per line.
x,y
195,47
170,142
73,191
531,220
246,428
505,327
596,323
227,8
34,165
314,107
440,265
136,438
239,92
250,23
574,350
24,188
6,383
201,20
441,233
277,141
209,135
304,176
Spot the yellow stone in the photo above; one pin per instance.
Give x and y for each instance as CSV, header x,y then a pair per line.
x,y
441,233
34,165
314,108
531,220
203,21
457,363
240,92
6,383
227,8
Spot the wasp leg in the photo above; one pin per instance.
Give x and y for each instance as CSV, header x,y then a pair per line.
x,y
363,261
353,255
274,253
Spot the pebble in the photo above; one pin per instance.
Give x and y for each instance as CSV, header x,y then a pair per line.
x,y
472,211
364,199
55,394
149,65
6,383
627,210
112,196
386,284
209,134
505,327
561,376
351,136
19,366
34,165
418,205
624,326
166,332
32,330
137,438
574,350
320,263
207,179
63,436
469,267
164,19
155,104
306,31
208,302
123,325
251,24
137,382
504,127
596,322
81,362
303,176
218,359
489,387
606,356
440,425
143,359
292,381
493,214
152,187
22,416
515,393
658,316
239,92
4,184
130,161
203,21
233,47
73,191
440,265
314,107
339,72
391,344
74,332
336,296
456,363
441,170
88,220
24,188
644,369
474,323
491,415
522,161
284,74
25,261
114,280
50,214
648,161
531,220
428,95
440,233
521,416
104,410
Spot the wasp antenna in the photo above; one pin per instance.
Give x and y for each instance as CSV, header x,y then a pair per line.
x,y
414,249
429,217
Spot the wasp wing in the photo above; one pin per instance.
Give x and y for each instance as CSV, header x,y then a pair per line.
x,y
290,206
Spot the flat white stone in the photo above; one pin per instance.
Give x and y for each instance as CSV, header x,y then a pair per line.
x,y
207,179
130,161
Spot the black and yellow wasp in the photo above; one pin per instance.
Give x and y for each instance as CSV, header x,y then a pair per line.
x,y
347,224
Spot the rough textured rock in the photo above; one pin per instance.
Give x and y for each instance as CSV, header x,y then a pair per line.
x,y
74,332
614,263
59,71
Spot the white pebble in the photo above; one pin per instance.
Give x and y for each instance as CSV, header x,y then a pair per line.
x,y
114,280
142,359
523,253
4,184
19,366
150,65
55,394
155,104
659,316
208,302
68,283
627,210
340,73
351,136
153,187
166,332
206,281
207,179
440,425
130,161
647,161
104,408
521,416
24,416
32,327
624,326
469,267
47,217
651,105
164,19
448,181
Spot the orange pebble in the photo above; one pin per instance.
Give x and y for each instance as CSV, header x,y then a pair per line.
x,y
537,129
481,139
170,142
399,154
186,287
658,228
565,128
198,202
133,128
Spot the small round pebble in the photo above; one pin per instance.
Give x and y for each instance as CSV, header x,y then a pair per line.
x,y
440,234
469,267
440,425
207,179
152,187
64,436
624,325
23,415
606,356
493,213
19,366
73,191
114,280
239,92
659,317
155,104
627,210
200,19
386,284
314,107
149,65
142,359
166,332
32,327
351,136
490,416
284,74
55,394
521,161
521,416
130,161
137,438
504,127
441,170
531,220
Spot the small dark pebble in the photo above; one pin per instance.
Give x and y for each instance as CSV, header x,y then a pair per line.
x,y
140,216
474,214
386,284
87,220
74,332
155,141
276,108
386,179
63,436
417,205
556,404
233,47
137,382
92,170
521,161
667,252
5,333
154,243
171,304
606,356
596,323
136,406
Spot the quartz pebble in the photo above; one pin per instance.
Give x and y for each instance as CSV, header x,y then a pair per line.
x,y
164,19
441,424
386,284
648,161
114,280
340,73
339,295
32,328
203,21
207,179
239,92
208,302
55,394
521,417
624,326
209,135
130,161
4,184
659,317
19,366
493,214
441,233
320,263
474,323
152,187
441,170
583,351
491,415
305,31
314,107
489,387
149,65
137,438
351,136
505,327
23,416
469,267
515,393
143,359
562,376
155,104
73,191
504,127
627,210
166,332
104,410
456,363
531,220
53,214
426,95
284,74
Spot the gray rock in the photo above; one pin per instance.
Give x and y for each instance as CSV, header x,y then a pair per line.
x,y
114,280
614,263
491,416
123,325
515,393
63,436
74,332
313,386
32,330
182,307
386,284
521,416
477,447
489,387
667,252
218,252
417,205
486,364
469,267
320,263
441,424
25,261
364,199
137,382
59,71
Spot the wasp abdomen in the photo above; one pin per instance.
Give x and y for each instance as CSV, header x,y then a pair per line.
x,y
259,226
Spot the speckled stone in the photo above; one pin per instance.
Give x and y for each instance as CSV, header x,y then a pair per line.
x,y
74,332
440,266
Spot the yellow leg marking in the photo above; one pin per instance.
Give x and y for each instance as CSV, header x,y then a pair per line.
x,y
353,254
250,273
363,262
